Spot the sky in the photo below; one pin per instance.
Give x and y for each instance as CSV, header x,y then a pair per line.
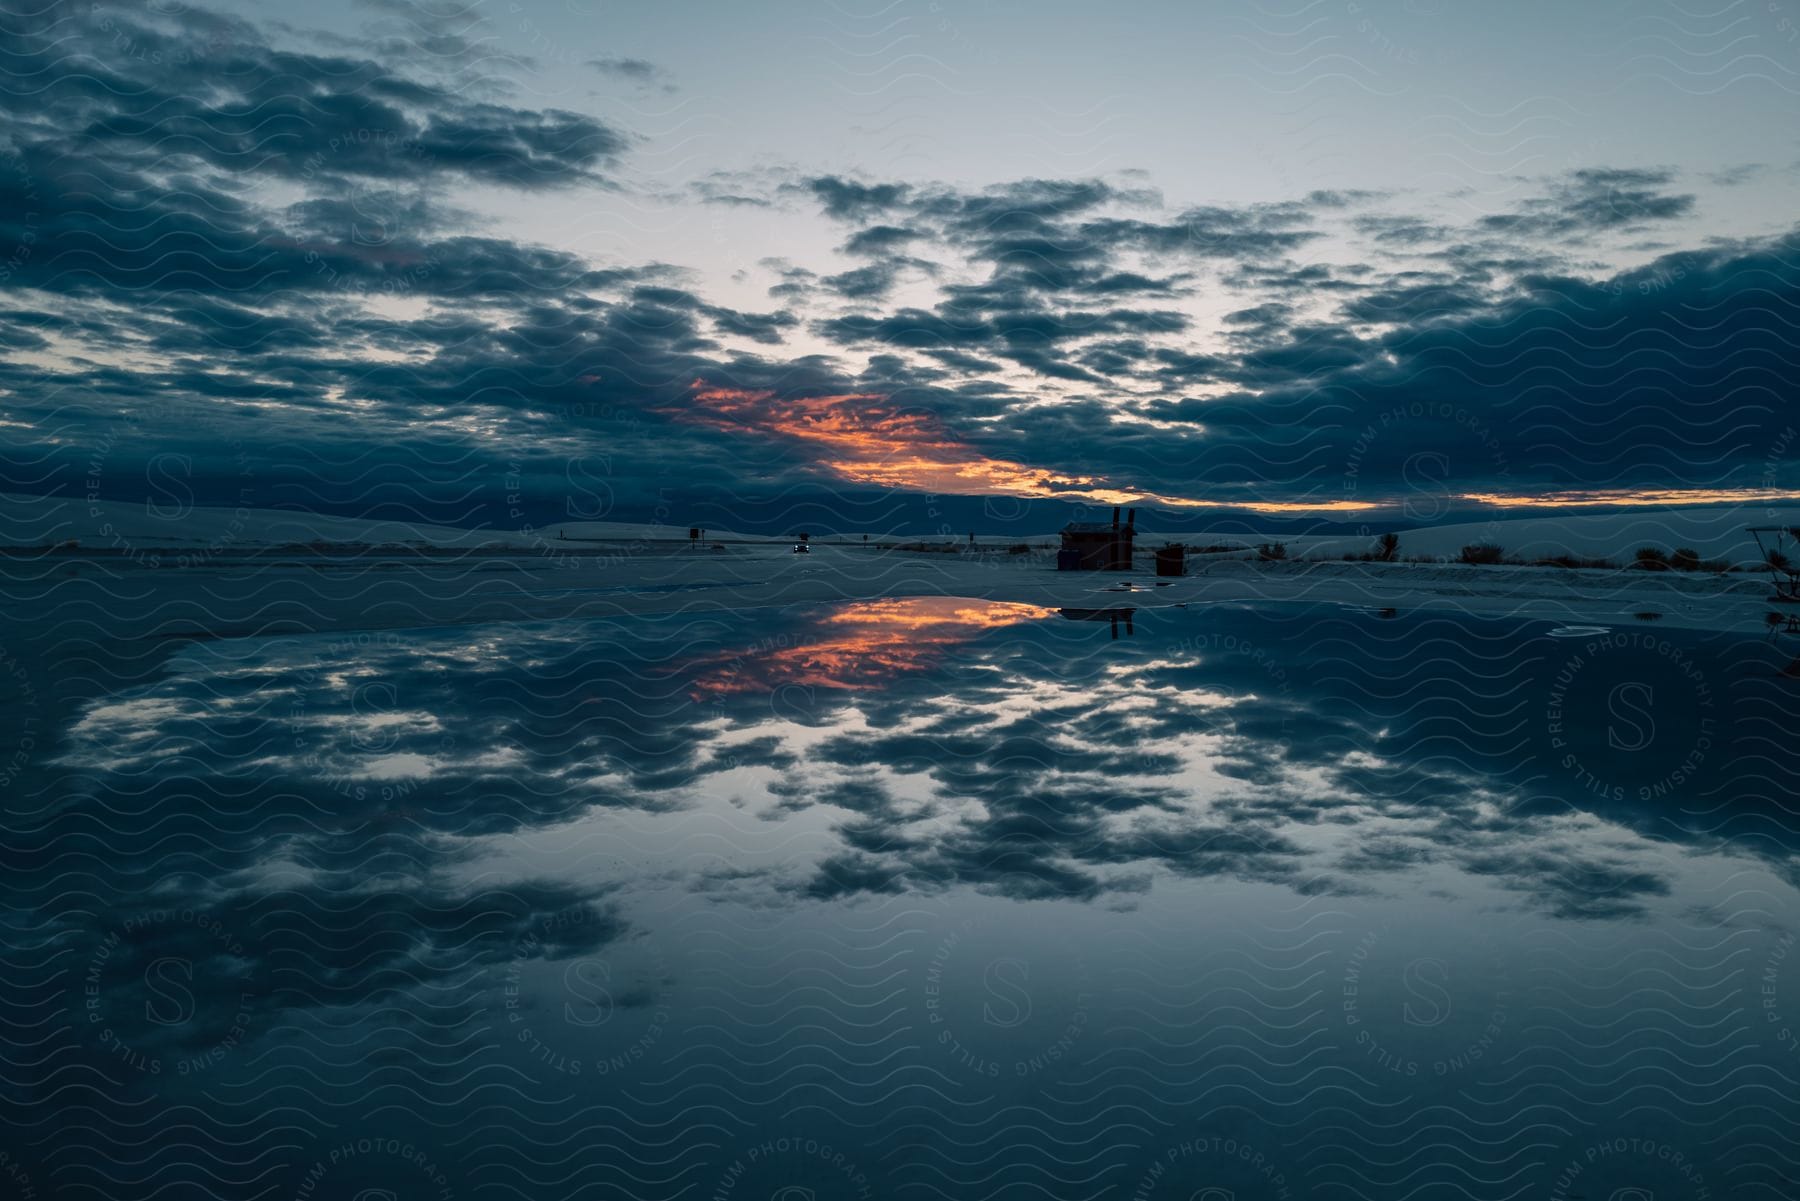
x,y
900,265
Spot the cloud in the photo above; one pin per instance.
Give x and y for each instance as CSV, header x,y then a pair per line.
x,y
1036,327
1595,200
880,240
636,71
847,199
308,118
1413,302
1738,175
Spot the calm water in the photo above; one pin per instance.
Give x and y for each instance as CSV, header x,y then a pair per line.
x,y
930,898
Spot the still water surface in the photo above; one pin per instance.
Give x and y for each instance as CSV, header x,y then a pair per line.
x,y
925,897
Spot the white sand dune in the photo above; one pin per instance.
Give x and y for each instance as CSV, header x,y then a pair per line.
x,y
48,520
1716,532
649,568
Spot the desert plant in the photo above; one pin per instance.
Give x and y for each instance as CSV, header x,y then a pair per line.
x,y
1482,553
1270,551
1387,548
1685,558
1650,558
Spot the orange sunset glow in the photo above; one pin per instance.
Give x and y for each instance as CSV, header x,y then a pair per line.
x,y
865,438
861,645
1627,497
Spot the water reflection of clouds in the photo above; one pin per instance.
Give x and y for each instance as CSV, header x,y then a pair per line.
x,y
946,744
360,879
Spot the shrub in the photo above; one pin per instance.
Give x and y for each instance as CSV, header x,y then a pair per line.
x,y
1268,552
1387,548
1020,548
1685,558
1651,558
1482,553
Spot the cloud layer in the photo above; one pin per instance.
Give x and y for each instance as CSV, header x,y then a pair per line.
x,y
285,273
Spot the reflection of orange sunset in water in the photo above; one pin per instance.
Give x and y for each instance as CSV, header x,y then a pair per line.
x,y
860,645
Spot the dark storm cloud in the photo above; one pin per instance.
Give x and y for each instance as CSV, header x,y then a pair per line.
x,y
1398,229
1342,198
759,327
134,196
200,236
1533,377
880,240
1261,319
1403,300
1307,408
1031,336
847,199
1595,200
1287,277
1057,258
1180,367
305,117
1254,233
1308,351
876,280
1022,207
1116,358
450,38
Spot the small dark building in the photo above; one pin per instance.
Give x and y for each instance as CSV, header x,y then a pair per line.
x,y
1096,545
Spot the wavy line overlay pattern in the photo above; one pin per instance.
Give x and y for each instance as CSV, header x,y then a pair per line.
x,y
359,860
418,883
